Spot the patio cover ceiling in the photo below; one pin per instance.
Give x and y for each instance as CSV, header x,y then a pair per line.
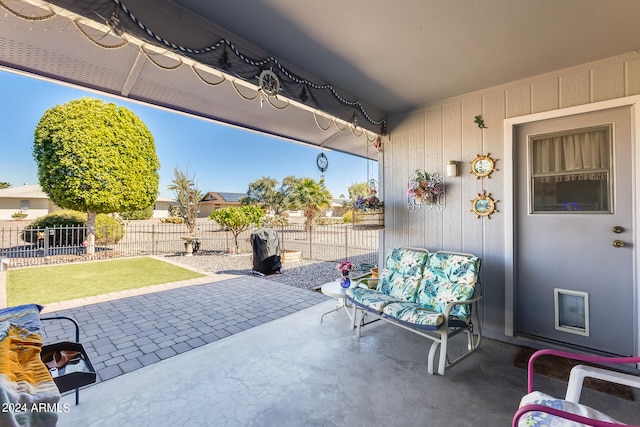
x,y
343,66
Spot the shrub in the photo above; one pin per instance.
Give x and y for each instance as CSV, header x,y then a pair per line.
x,y
19,215
238,219
108,230
347,218
275,221
172,220
69,229
324,220
141,214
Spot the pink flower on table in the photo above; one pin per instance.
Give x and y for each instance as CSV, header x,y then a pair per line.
x,y
344,266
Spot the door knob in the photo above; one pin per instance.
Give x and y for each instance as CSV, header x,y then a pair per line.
x,y
617,229
618,243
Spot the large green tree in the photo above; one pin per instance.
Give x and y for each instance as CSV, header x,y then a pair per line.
x,y
96,157
360,189
265,192
238,219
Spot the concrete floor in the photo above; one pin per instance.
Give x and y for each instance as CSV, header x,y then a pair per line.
x,y
296,371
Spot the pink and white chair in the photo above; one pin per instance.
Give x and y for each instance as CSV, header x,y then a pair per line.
x,y
540,409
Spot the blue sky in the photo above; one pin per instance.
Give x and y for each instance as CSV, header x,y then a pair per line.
x,y
223,158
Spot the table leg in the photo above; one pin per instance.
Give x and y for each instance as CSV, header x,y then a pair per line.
x,y
341,304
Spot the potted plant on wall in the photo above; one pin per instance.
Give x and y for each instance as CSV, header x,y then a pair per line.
x,y
425,188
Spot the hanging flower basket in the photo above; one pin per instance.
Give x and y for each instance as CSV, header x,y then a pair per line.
x,y
368,212
368,220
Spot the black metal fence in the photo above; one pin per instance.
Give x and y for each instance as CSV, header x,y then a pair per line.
x,y
20,248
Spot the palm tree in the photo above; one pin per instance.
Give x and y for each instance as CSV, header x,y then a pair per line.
x,y
187,196
4,184
307,194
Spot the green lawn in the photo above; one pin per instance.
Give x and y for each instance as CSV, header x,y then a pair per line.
x,y
42,285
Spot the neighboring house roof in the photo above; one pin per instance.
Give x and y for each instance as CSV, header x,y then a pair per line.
x,y
33,191
215,196
338,203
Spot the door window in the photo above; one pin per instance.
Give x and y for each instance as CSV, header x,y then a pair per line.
x,y
571,171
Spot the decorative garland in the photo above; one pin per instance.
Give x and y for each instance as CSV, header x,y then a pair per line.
x,y
157,64
256,63
97,43
315,117
26,17
202,79
246,98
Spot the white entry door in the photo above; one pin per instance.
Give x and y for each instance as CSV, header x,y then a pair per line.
x,y
574,248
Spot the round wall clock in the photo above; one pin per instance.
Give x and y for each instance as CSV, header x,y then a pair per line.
x,y
269,82
483,205
322,162
483,166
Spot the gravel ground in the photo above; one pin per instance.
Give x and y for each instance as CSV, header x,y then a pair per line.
x,y
306,273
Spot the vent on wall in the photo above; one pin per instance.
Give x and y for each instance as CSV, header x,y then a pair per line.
x,y
571,311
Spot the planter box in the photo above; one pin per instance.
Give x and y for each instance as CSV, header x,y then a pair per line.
x,y
368,220
290,256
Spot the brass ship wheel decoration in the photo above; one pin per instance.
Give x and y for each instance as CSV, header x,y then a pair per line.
x,y
483,166
484,205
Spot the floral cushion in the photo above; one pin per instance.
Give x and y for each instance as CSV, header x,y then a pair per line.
x,y
401,275
369,298
448,278
415,314
540,419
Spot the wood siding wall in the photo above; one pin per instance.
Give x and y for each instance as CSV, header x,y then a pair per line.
x,y
445,130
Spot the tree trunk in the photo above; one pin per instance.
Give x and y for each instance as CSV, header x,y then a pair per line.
x,y
309,214
235,237
91,232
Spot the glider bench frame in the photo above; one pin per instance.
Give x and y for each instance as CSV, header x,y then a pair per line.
x,y
434,295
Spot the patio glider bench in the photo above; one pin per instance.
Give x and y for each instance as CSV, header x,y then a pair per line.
x,y
431,294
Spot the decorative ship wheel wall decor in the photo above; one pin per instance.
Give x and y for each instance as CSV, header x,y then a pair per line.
x,y
482,167
484,205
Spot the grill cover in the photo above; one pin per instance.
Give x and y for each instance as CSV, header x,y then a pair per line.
x,y
266,251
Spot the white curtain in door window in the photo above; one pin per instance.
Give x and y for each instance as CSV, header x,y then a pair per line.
x,y
581,155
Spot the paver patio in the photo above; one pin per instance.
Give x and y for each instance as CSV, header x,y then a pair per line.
x,y
127,333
